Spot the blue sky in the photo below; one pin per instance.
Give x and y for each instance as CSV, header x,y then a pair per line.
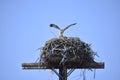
x,y
24,27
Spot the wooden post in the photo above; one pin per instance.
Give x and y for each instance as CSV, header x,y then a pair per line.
x,y
63,68
63,73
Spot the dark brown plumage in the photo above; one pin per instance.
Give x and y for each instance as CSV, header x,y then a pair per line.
x,y
61,30
55,26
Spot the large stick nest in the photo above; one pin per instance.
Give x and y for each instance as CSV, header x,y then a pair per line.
x,y
61,50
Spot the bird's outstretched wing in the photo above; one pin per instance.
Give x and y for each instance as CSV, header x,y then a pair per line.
x,y
69,26
55,26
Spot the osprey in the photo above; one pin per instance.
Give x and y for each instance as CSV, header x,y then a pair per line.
x,y
61,30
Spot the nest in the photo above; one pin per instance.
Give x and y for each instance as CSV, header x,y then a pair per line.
x,y
62,50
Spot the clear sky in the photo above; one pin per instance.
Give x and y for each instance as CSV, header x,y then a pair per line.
x,y
24,27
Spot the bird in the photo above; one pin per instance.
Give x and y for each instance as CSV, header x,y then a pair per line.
x,y
55,26
61,30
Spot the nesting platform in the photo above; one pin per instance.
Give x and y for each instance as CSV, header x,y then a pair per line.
x,y
69,65
70,52
65,53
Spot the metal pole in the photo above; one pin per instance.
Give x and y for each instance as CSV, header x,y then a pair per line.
x,y
57,74
70,72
